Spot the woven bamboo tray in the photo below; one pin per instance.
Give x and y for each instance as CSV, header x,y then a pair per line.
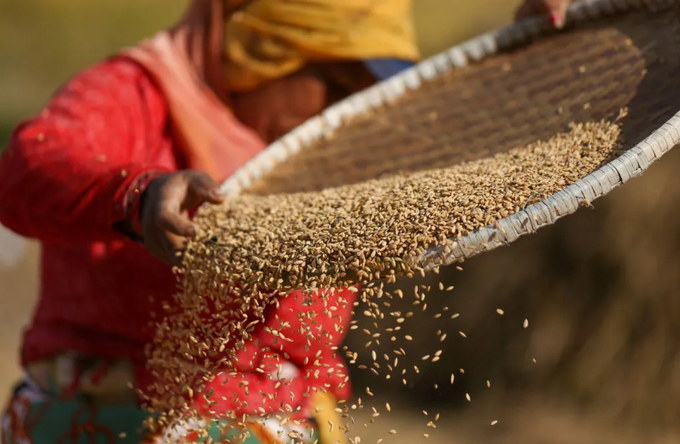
x,y
502,90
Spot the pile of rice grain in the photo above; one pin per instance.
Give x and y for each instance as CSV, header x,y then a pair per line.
x,y
358,232
253,249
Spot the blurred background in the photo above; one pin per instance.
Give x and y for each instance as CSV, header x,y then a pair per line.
x,y
600,361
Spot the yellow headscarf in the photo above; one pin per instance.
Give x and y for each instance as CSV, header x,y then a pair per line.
x,y
268,39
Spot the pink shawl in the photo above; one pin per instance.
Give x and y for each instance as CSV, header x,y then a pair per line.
x,y
185,63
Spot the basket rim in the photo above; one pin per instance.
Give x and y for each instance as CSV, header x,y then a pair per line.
x,y
630,164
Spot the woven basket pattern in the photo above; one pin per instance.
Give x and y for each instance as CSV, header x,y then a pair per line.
x,y
503,90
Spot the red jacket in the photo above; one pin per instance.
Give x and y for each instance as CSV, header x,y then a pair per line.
x,y
64,179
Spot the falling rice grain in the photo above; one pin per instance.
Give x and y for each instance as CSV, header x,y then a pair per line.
x,y
252,250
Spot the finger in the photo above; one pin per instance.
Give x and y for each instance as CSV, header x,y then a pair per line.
x,y
557,11
172,222
158,248
202,188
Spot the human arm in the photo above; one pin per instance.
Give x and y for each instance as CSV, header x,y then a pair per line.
x,y
73,172
80,170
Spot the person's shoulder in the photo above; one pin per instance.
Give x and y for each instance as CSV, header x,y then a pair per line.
x,y
117,79
115,71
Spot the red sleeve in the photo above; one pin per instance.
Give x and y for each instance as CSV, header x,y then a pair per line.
x,y
71,173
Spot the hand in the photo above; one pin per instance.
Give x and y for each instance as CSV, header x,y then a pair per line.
x,y
556,10
166,203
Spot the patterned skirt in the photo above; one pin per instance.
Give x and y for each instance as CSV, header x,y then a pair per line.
x,y
53,406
